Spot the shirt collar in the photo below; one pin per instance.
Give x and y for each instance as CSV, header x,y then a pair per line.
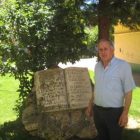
x,y
112,61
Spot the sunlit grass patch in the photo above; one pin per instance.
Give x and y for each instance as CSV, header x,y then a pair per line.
x,y
8,96
135,105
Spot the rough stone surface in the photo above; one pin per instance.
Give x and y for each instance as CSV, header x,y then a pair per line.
x,y
30,114
59,125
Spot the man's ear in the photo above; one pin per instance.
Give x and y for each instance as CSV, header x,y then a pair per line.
x,y
113,49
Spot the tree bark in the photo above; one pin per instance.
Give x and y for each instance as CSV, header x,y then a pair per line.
x,y
104,27
103,21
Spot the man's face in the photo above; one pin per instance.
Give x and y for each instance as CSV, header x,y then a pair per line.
x,y
106,53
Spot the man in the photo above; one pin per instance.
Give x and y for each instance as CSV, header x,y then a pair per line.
x,y
112,93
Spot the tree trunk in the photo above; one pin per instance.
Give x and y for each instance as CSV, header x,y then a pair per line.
x,y
104,27
104,21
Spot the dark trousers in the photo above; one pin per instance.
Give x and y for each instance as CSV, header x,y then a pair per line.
x,y
106,122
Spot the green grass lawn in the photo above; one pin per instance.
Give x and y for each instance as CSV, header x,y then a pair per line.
x,y
135,105
8,96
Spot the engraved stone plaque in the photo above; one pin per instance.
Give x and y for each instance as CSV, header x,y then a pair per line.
x,y
62,89
78,87
50,90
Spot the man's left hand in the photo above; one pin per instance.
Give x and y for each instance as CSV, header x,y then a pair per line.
x,y
123,120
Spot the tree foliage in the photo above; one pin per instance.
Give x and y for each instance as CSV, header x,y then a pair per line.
x,y
36,35
125,12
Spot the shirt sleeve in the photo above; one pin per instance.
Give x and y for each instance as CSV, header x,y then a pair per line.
x,y
127,78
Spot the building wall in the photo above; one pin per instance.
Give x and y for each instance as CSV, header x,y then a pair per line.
x,y
127,46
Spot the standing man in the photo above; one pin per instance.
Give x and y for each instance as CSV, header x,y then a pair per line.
x,y
112,93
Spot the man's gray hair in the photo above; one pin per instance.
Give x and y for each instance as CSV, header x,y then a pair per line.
x,y
105,40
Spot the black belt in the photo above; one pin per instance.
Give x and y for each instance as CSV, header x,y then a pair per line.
x,y
107,108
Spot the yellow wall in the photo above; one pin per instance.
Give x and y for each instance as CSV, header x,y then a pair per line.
x,y
127,44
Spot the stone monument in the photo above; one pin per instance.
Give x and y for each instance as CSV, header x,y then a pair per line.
x,y
56,107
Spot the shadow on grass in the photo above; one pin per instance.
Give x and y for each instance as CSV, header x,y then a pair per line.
x,y
15,131
76,138
131,134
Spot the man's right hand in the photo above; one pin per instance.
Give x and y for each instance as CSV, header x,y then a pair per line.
x,y
89,112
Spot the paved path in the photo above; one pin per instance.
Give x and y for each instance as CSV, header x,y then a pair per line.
x,y
87,62
132,124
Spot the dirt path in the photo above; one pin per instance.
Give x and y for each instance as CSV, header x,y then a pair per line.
x,y
133,124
